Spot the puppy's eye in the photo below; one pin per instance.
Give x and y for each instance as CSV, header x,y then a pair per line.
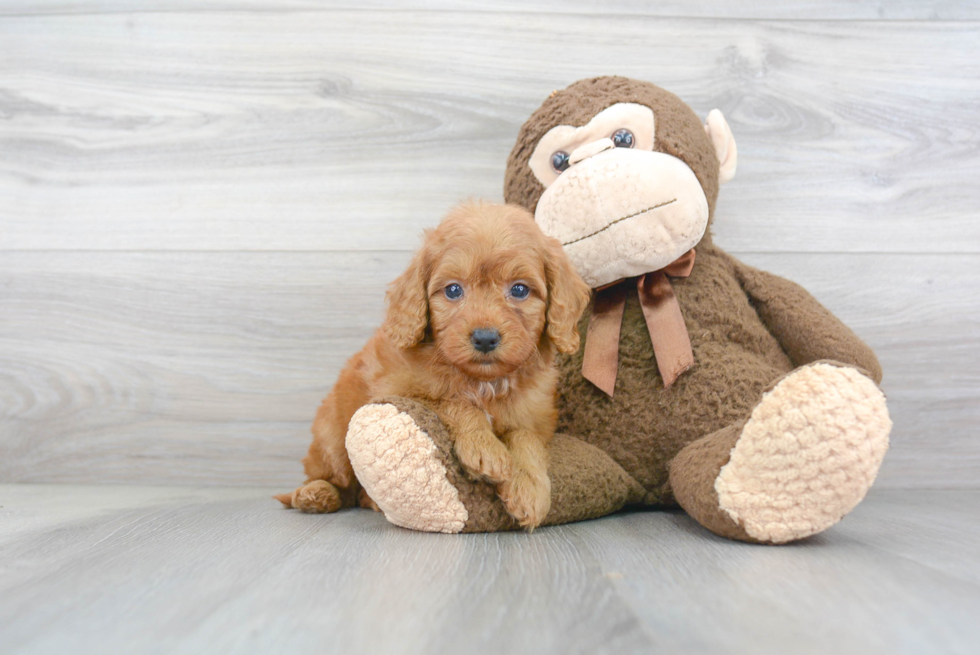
x,y
559,161
623,139
520,291
454,291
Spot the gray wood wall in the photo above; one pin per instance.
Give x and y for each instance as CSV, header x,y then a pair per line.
x,y
202,201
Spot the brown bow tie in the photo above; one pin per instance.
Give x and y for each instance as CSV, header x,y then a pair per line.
x,y
662,312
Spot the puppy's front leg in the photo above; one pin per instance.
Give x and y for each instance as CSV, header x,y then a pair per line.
x,y
527,494
479,450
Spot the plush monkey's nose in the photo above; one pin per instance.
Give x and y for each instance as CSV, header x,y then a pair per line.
x,y
590,149
485,339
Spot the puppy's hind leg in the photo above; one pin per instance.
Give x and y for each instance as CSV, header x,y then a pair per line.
x,y
314,497
322,492
330,482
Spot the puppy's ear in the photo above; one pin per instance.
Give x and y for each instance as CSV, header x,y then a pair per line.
x,y
568,297
408,303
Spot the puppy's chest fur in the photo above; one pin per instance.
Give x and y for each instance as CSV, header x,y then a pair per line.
x,y
487,393
483,391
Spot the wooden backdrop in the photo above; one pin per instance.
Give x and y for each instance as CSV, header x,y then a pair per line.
x,y
201,201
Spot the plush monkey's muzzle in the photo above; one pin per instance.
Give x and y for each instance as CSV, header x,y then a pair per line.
x,y
624,212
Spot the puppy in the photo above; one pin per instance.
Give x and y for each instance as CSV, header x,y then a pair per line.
x,y
471,330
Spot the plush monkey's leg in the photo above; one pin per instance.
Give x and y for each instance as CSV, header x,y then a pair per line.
x,y
586,483
403,456
805,457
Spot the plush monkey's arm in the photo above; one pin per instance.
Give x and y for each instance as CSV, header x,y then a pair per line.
x,y
805,329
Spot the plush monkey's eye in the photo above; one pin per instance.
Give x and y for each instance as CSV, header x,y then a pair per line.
x,y
623,139
520,291
559,161
454,291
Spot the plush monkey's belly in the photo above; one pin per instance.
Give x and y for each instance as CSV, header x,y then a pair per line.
x,y
643,426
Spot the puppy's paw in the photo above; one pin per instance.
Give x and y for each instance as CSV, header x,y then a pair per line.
x,y
527,497
316,497
487,458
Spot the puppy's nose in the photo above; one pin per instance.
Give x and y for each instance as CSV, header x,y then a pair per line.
x,y
485,339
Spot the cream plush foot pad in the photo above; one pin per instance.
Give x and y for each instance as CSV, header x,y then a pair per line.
x,y
396,463
808,454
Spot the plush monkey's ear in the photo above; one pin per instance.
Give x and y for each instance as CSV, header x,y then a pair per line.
x,y
568,296
721,138
408,303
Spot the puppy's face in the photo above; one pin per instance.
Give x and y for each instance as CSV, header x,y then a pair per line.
x,y
487,305
490,289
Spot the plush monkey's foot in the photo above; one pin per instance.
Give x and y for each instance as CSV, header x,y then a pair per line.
x,y
807,455
402,470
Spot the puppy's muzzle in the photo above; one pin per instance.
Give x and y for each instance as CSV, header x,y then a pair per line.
x,y
485,339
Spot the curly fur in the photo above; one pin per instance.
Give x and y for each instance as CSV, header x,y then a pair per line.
x,y
499,406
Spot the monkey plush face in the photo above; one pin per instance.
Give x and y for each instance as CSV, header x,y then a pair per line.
x,y
622,173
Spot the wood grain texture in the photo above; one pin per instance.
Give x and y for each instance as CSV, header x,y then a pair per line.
x,y
130,569
200,203
762,9
268,130
206,368
193,367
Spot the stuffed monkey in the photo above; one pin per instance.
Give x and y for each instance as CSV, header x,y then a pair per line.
x,y
702,381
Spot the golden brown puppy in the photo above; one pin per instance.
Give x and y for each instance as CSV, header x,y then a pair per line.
x,y
471,330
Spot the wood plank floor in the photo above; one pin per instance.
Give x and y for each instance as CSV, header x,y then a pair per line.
x,y
115,367
117,569
738,9
201,201
353,130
